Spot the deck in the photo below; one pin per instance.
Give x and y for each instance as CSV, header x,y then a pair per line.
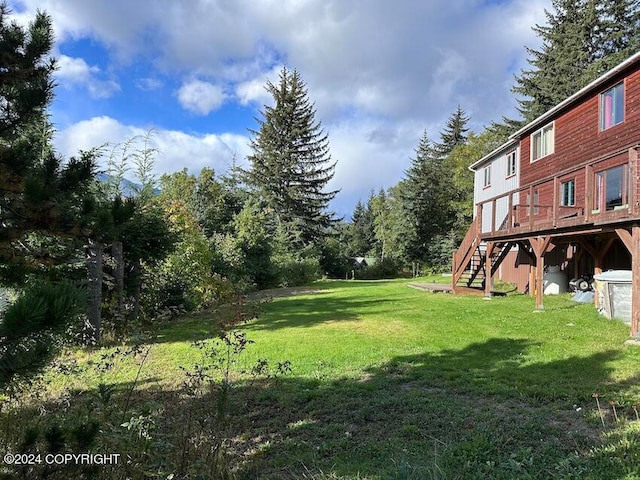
x,y
537,209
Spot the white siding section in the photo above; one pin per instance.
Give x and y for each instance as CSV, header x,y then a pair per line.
x,y
500,183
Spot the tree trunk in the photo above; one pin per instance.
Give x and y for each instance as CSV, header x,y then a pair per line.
x,y
94,289
118,256
137,282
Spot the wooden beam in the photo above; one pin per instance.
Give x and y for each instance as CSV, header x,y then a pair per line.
x,y
556,200
634,173
510,214
597,251
626,237
506,248
488,276
589,189
539,246
493,215
531,208
631,241
635,285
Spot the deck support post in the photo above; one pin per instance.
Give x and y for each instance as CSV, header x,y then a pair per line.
x,y
488,268
631,240
539,246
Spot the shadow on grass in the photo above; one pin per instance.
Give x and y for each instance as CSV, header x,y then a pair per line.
x,y
473,413
313,310
303,307
476,412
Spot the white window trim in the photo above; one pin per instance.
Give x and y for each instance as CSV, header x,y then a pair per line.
x,y
553,139
515,163
487,176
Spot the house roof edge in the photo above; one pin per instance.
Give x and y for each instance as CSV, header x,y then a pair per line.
x,y
578,95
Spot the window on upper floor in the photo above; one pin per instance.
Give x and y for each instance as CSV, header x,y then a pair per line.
x,y
487,176
612,107
542,142
511,163
568,193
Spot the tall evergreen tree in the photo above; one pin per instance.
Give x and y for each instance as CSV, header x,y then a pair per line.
x,y
427,197
41,200
618,36
580,40
291,164
38,193
361,235
454,133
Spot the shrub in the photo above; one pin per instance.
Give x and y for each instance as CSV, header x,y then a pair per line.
x,y
292,273
387,268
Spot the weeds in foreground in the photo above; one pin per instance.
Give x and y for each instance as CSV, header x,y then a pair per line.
x,y
183,433
618,413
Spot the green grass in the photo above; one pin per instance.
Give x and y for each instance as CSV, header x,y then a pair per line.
x,y
392,382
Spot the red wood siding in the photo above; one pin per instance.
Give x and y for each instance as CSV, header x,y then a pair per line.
x,y
578,138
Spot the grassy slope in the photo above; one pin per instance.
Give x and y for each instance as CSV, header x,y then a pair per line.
x,y
391,382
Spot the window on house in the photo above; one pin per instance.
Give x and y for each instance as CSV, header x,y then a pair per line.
x,y
612,107
611,188
568,193
542,142
487,176
511,164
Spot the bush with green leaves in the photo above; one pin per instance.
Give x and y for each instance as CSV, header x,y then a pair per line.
x,y
387,268
292,272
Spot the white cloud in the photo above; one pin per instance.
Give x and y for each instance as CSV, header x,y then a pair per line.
x,y
253,90
378,76
380,59
149,84
76,72
200,97
176,150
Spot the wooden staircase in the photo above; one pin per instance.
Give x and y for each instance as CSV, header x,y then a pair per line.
x,y
469,272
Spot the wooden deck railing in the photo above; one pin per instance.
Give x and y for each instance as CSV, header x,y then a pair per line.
x,y
530,217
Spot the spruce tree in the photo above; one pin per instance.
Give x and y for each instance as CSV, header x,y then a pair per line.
x,y
454,133
38,193
427,197
361,233
41,201
618,36
580,40
291,164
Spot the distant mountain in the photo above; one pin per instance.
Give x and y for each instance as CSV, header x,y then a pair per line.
x,y
127,187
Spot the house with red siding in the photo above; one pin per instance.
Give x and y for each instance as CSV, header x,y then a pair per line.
x,y
576,202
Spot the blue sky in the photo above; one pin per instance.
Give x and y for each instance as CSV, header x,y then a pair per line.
x,y
380,74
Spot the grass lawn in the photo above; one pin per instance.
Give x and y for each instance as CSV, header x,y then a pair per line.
x,y
391,382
